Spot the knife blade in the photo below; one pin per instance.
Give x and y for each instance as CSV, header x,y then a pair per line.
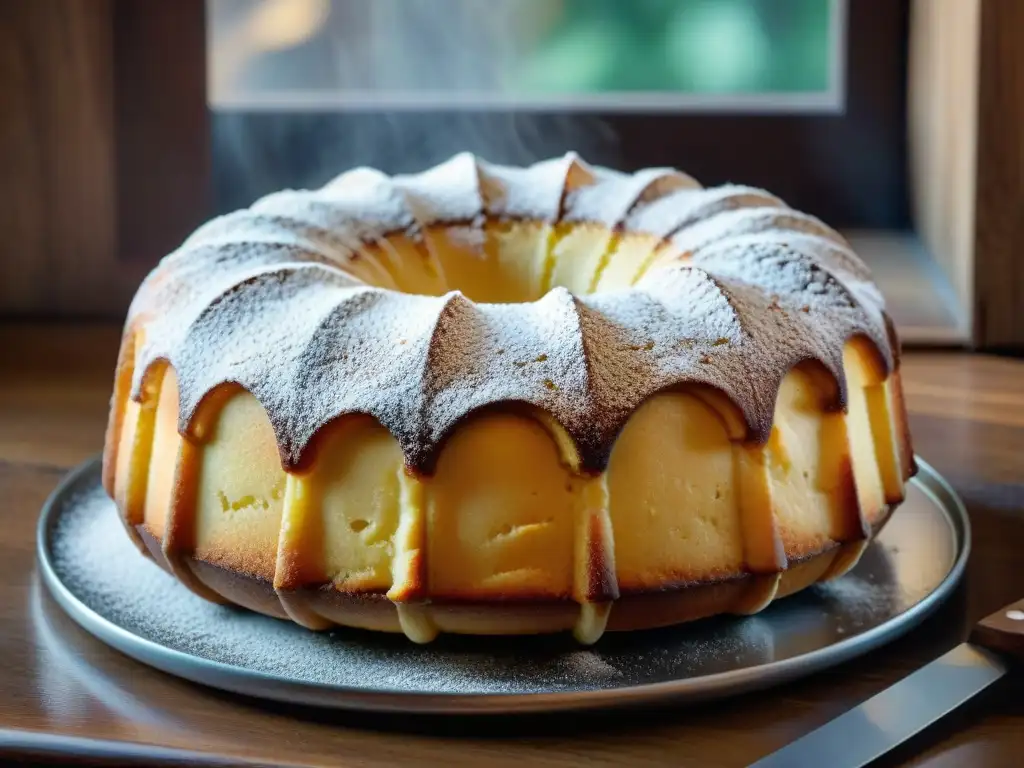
x,y
889,718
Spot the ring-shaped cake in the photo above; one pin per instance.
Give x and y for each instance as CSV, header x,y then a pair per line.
x,y
495,400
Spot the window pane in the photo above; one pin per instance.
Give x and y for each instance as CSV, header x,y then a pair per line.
x,y
627,54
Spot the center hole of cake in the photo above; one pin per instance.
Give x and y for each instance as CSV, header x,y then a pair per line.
x,y
511,262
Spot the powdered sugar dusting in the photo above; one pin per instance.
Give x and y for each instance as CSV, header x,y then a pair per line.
x,y
525,193
446,193
685,207
613,196
285,300
862,597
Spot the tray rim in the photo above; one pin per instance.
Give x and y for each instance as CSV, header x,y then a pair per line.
x,y
271,687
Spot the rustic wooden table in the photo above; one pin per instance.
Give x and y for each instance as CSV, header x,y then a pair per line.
x,y
63,694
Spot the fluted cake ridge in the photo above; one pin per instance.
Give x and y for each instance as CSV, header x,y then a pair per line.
x,y
286,300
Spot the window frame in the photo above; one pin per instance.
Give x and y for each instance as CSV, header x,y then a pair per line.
x,y
351,22
848,167
111,162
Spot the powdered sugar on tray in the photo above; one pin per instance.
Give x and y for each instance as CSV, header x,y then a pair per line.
x,y
862,600
95,560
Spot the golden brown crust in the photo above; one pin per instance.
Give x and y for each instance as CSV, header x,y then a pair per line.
x,y
678,580
852,520
179,531
674,598
247,591
414,587
134,502
799,547
260,564
663,609
635,610
300,594
846,557
759,594
520,596
763,548
122,388
296,568
902,424
373,610
602,584
801,575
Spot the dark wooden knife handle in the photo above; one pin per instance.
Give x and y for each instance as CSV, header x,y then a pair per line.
x,y
1003,631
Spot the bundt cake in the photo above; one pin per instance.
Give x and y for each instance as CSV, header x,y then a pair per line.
x,y
495,400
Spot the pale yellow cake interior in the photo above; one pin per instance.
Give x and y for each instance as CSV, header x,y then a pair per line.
x,y
506,518
523,260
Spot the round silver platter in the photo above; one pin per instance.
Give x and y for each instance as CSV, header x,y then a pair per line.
x,y
98,577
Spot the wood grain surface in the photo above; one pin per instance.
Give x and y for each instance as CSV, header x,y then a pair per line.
x,y
65,696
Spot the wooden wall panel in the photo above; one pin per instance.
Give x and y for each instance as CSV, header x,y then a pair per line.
x,y
57,195
999,229
163,131
966,126
103,148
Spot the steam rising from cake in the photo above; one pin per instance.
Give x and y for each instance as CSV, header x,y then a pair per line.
x,y
259,150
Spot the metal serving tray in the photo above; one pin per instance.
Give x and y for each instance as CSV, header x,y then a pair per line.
x,y
96,575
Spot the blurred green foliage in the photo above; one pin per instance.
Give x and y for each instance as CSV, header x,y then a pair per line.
x,y
695,46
